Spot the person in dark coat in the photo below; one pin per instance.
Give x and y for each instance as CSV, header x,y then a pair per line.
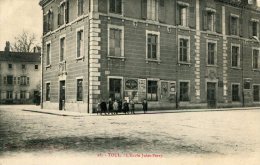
x,y
120,106
110,106
125,107
145,106
103,106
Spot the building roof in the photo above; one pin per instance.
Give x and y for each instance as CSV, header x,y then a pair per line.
x,y
20,56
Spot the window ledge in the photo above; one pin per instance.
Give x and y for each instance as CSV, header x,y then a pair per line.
x,y
79,102
48,66
211,65
184,63
237,68
256,70
80,58
115,57
152,60
183,27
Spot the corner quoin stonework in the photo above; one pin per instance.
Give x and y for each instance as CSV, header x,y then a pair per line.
x,y
94,55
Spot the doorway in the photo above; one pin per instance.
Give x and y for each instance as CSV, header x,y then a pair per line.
x,y
211,95
62,96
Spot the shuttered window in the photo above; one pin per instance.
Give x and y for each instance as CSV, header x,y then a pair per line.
x,y
255,59
80,46
235,56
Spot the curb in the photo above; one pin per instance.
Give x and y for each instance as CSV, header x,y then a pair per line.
x,y
78,114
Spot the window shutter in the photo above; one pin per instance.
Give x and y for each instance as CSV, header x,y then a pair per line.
x,y
230,25
218,23
241,29
28,81
27,95
162,11
250,29
192,16
45,23
5,80
178,14
59,17
51,22
144,9
67,12
205,20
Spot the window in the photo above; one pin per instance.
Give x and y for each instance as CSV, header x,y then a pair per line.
x,y
234,25
48,21
209,20
116,41
14,81
184,91
255,28
80,7
48,54
115,86
152,93
255,59
79,89
184,50
23,80
153,45
212,53
48,90
62,49
235,92
115,6
63,13
36,67
9,80
22,94
80,45
10,66
235,56
23,66
183,18
152,10
256,95
9,94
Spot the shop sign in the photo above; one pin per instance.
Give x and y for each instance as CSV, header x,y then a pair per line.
x,y
131,84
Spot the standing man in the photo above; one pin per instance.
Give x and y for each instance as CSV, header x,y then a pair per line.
x,y
145,106
132,106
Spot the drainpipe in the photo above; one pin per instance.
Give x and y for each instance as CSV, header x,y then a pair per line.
x,y
42,69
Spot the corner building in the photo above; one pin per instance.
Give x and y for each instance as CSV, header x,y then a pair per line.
x,y
174,53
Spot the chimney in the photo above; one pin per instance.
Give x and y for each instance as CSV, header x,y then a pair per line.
x,y
7,46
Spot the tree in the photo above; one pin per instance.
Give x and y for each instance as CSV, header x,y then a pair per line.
x,y
24,42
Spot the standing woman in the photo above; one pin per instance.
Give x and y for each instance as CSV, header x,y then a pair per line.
x,y
145,106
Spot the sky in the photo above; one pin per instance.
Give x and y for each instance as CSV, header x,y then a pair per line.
x,y
17,16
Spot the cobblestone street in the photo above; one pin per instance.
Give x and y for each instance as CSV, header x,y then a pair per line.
x,y
215,133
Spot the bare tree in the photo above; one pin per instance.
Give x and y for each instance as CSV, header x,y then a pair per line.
x,y
24,42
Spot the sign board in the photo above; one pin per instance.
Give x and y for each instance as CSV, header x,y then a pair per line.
x,y
141,89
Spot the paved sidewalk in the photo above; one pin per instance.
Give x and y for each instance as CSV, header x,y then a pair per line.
x,y
78,114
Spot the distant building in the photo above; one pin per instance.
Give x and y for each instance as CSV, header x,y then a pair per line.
x,y
174,53
20,76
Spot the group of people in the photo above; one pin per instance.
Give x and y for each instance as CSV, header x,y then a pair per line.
x,y
114,107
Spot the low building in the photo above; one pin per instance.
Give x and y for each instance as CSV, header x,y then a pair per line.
x,y
174,53
20,76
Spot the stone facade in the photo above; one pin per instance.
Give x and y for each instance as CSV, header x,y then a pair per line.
x,y
20,80
176,54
